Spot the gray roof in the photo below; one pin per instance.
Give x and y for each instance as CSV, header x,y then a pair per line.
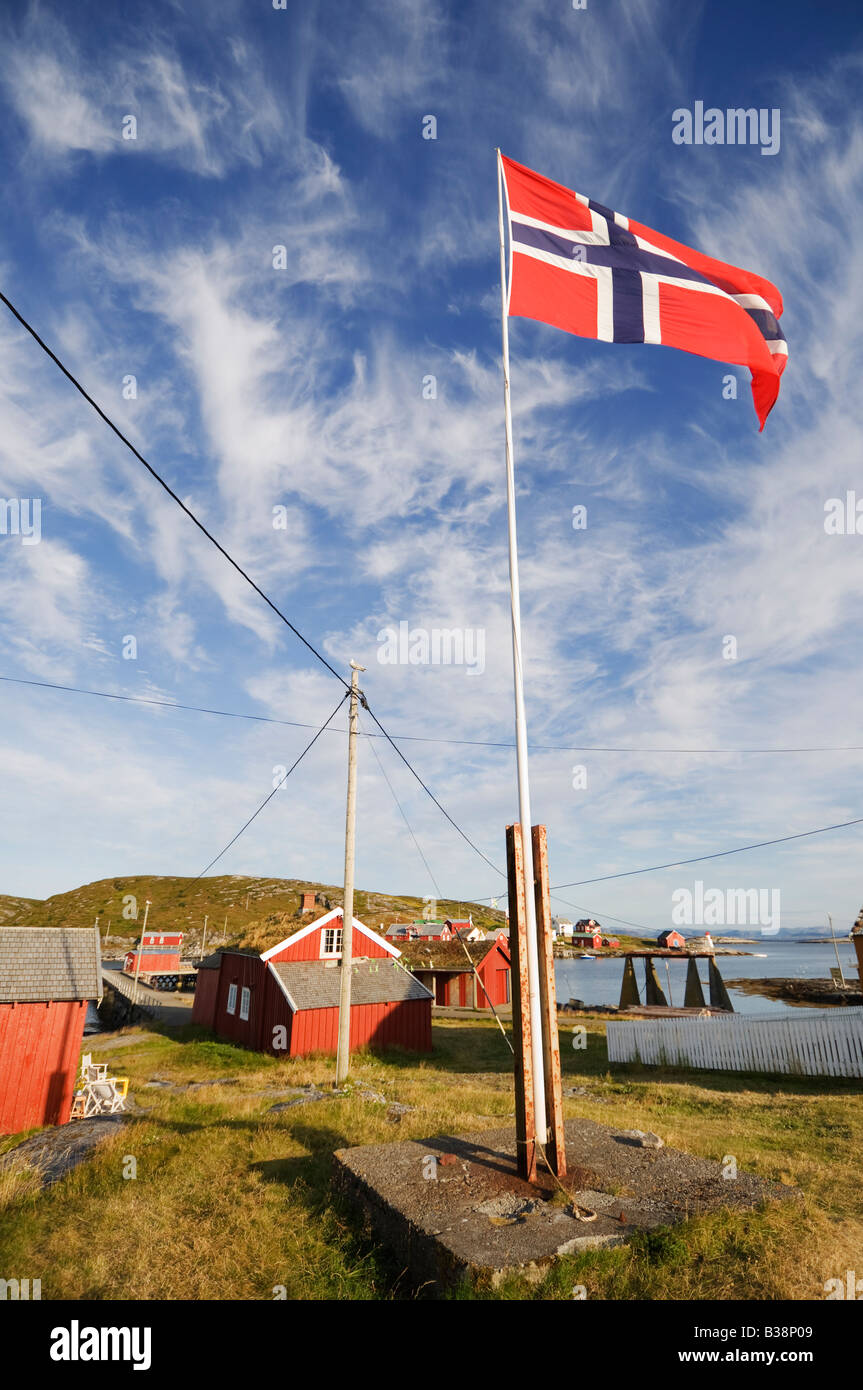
x,y
312,984
42,963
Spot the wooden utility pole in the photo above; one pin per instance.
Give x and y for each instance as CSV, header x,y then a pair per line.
x,y
526,1042
204,942
343,1056
556,1149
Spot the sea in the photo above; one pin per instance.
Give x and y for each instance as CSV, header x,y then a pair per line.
x,y
598,981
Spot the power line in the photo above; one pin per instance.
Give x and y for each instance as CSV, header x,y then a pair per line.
x,y
719,854
461,940
407,823
170,491
276,788
322,659
414,738
430,793
201,527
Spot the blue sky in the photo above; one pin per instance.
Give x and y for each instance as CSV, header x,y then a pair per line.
x,y
302,388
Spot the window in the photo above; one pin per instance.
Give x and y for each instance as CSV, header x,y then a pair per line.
x,y
245,996
331,944
232,999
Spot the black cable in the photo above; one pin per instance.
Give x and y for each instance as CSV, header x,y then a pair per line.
x,y
430,793
170,491
201,527
720,854
276,788
168,704
407,822
414,738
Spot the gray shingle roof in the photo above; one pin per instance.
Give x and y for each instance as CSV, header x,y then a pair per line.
x,y
42,963
314,985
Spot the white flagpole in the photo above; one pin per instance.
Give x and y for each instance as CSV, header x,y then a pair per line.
x,y
535,1008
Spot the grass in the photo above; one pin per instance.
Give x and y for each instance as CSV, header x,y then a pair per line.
x,y
256,910
232,1201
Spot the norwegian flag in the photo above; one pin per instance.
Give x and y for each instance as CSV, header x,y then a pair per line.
x,y
583,268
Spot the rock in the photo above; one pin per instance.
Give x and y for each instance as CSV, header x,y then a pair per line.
x,y
641,1139
304,1099
396,1110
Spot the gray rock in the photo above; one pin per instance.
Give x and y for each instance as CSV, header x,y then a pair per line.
x,y
640,1138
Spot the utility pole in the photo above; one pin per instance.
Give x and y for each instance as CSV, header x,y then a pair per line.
x,y
204,942
343,1056
140,951
836,949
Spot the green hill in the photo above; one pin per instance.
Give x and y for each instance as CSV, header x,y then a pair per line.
x,y
238,908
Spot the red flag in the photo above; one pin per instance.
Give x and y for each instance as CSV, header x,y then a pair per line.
x,y
583,268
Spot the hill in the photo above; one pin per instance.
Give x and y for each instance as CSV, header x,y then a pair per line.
x,y
241,910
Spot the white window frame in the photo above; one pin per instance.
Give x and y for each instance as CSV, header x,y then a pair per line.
x,y
245,1001
231,1006
336,934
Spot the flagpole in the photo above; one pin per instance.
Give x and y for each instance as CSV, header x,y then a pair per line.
x,y
535,1010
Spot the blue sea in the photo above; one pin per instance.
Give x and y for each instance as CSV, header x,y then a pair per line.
x,y
598,981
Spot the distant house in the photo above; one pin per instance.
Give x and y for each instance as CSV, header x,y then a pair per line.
x,y
561,926
465,931
158,951
671,940
421,931
286,1000
588,934
47,977
449,970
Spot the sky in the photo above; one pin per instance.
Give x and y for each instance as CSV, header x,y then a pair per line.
x,y
231,222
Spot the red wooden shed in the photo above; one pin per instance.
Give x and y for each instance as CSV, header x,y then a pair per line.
x,y
47,977
158,950
452,975
672,940
286,1000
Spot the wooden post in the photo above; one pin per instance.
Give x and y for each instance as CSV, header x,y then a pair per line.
x,y
652,988
694,997
525,1133
629,989
718,993
556,1146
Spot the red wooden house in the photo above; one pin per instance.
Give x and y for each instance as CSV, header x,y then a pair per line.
x,y
286,1001
158,951
47,977
672,940
450,968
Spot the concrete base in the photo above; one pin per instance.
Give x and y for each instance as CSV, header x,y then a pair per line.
x,y
452,1209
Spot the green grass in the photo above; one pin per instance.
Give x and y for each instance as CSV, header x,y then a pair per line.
x,y
231,1201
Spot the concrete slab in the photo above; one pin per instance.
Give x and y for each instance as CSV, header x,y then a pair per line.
x,y
451,1209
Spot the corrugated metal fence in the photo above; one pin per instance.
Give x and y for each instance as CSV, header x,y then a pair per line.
x,y
822,1043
